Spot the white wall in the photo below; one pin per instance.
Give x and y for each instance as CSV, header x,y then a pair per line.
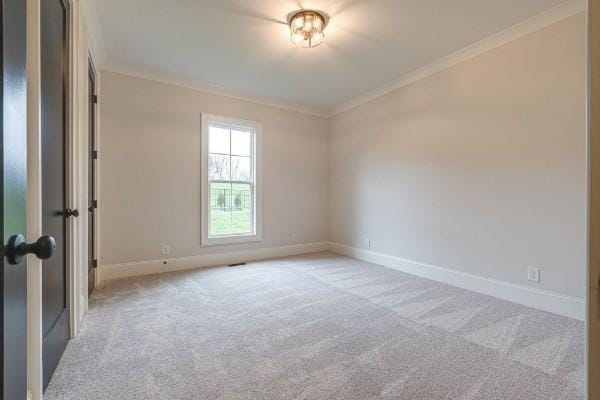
x,y
479,168
150,167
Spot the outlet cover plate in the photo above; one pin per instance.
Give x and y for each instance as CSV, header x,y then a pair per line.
x,y
533,274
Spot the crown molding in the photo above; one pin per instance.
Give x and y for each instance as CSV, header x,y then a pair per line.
x,y
531,25
215,90
536,23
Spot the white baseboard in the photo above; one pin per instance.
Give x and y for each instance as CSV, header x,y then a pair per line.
x,y
115,271
572,307
556,303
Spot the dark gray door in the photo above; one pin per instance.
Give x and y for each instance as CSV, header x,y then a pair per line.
x,y
93,203
14,184
55,317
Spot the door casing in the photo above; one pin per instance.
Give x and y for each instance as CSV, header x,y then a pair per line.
x,y
34,204
76,94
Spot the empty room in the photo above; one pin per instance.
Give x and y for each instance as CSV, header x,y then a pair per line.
x,y
314,199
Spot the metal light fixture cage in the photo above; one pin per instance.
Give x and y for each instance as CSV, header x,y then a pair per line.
x,y
307,28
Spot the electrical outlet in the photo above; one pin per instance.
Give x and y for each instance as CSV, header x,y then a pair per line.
x,y
165,249
368,243
293,238
533,274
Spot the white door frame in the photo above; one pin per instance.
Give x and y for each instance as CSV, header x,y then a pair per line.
x,y
34,204
76,197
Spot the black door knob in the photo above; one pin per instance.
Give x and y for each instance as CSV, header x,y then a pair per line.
x,y
70,213
17,248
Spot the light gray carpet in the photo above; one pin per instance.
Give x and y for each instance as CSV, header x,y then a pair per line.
x,y
314,327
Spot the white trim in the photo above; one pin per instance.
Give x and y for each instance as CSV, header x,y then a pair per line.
x,y
540,21
34,202
81,156
256,236
76,159
572,307
168,79
71,165
568,306
116,271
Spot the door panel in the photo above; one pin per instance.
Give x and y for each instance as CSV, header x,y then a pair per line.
x,y
13,182
55,321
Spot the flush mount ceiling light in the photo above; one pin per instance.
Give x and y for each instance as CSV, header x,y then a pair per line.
x,y
307,28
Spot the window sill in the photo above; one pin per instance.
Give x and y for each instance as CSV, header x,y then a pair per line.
x,y
234,239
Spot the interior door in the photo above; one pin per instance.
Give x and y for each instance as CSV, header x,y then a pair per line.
x,y
55,316
93,203
14,184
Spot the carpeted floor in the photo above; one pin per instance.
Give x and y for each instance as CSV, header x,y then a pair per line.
x,y
314,327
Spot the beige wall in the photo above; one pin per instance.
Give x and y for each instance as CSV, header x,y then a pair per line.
x,y
150,157
479,168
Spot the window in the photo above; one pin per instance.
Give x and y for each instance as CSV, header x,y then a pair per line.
x,y
231,211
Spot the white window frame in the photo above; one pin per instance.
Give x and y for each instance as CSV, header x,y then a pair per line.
x,y
256,236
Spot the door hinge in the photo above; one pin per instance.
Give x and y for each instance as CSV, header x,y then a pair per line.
x,y
95,98
94,263
95,154
95,203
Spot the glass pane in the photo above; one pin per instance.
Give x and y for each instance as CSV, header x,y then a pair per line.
x,y
241,211
218,140
220,214
241,143
230,209
241,169
218,167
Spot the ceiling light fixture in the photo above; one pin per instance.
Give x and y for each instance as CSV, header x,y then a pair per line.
x,y
307,28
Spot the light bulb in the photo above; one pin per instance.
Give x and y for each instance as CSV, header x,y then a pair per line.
x,y
316,39
299,22
297,38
